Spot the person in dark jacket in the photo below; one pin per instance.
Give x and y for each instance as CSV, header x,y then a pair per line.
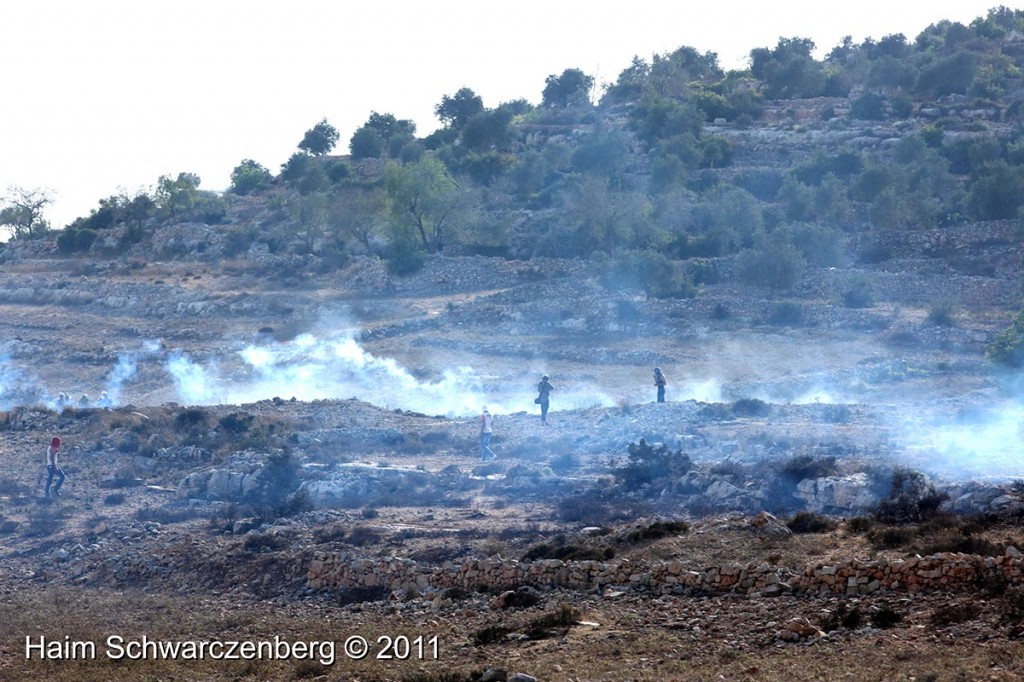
x,y
660,381
544,389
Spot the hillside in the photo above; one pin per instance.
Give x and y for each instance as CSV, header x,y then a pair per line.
x,y
269,399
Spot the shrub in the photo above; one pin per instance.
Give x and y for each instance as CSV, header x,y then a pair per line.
x,y
1007,348
658,530
912,498
649,464
589,508
750,407
809,522
404,256
802,467
235,423
786,314
890,537
859,524
942,313
277,492
191,417
885,618
858,292
114,499
565,552
773,264
652,271
952,614
72,240
264,542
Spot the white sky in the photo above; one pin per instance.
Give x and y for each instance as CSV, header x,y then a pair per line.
x,y
109,94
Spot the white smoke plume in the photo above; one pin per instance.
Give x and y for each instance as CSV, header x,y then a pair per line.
x,y
17,387
125,370
985,445
310,368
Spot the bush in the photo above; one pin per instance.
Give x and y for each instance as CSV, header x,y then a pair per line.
x,y
786,314
648,465
890,537
773,264
859,524
912,498
403,256
72,240
803,467
942,313
809,522
652,271
658,530
750,407
858,292
277,491
1007,348
885,618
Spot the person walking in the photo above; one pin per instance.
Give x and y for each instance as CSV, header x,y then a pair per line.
x,y
486,427
660,381
53,467
544,389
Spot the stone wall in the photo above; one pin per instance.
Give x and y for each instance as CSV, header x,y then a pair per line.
x,y
944,571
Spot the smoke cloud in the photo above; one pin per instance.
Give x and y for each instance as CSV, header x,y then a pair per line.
x,y
979,444
311,368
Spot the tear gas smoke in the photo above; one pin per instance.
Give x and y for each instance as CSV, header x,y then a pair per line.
x,y
985,445
16,387
125,369
309,368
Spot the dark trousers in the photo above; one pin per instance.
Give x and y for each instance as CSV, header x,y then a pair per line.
x,y
661,394
52,470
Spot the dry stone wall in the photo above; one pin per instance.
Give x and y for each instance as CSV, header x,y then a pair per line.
x,y
944,571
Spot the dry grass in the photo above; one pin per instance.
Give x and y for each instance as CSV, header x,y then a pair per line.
x,y
595,639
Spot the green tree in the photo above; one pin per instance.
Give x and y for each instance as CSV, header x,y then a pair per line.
x,y
320,139
660,118
788,71
177,195
775,264
22,211
1007,348
249,177
571,89
308,221
631,84
998,193
359,214
382,133
423,198
366,143
457,110
487,130
604,219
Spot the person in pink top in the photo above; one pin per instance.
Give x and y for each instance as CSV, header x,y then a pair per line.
x,y
53,467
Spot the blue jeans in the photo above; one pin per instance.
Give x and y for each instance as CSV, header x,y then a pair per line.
x,y
50,471
485,449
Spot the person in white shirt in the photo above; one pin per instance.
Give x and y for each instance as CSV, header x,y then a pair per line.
x,y
486,427
53,467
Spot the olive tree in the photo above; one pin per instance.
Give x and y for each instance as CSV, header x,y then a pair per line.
x,y
22,211
320,139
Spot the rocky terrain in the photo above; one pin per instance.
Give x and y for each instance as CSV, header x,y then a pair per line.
x,y
295,455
